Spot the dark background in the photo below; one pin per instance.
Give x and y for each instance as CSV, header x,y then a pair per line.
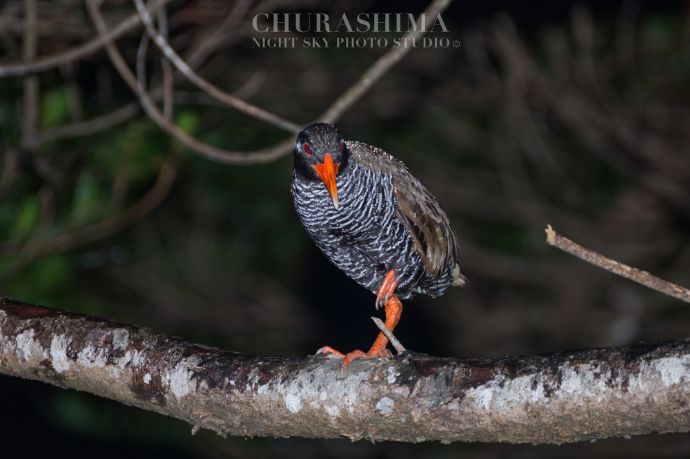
x,y
574,114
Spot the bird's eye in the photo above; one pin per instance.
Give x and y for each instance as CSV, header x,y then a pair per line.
x,y
307,149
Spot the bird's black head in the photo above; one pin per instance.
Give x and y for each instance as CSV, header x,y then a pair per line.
x,y
321,154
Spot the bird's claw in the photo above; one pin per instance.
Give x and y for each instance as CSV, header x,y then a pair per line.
x,y
381,301
386,290
328,350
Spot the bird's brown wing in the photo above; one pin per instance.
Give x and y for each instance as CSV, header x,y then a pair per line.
x,y
425,221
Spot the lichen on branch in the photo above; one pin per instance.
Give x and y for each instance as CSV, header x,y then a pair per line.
x,y
548,398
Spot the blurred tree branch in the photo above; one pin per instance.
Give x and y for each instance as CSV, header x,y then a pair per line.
x,y
202,83
106,38
43,64
382,65
73,238
31,87
332,114
548,398
194,56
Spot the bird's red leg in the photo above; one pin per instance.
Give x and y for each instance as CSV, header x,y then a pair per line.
x,y
393,308
393,312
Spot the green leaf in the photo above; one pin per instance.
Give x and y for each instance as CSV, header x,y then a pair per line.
x,y
188,121
27,217
55,109
88,199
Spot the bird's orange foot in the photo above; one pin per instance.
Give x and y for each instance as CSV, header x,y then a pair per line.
x,y
393,308
354,355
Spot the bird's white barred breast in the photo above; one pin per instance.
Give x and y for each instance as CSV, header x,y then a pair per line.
x,y
363,237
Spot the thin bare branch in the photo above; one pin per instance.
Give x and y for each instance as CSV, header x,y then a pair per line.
x,y
399,348
221,155
623,270
19,69
200,82
378,69
90,126
547,398
217,154
382,65
166,66
31,87
108,120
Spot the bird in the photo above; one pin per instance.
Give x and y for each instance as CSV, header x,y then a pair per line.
x,y
373,220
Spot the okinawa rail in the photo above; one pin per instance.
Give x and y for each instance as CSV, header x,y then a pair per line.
x,y
375,221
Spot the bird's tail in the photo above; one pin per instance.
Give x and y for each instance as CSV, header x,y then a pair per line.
x,y
458,279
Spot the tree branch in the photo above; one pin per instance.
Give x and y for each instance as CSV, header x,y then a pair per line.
x,y
399,348
18,69
138,87
31,87
264,155
616,267
203,84
105,121
90,126
548,398
382,65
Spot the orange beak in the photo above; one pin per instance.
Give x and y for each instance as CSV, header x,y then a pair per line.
x,y
327,172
